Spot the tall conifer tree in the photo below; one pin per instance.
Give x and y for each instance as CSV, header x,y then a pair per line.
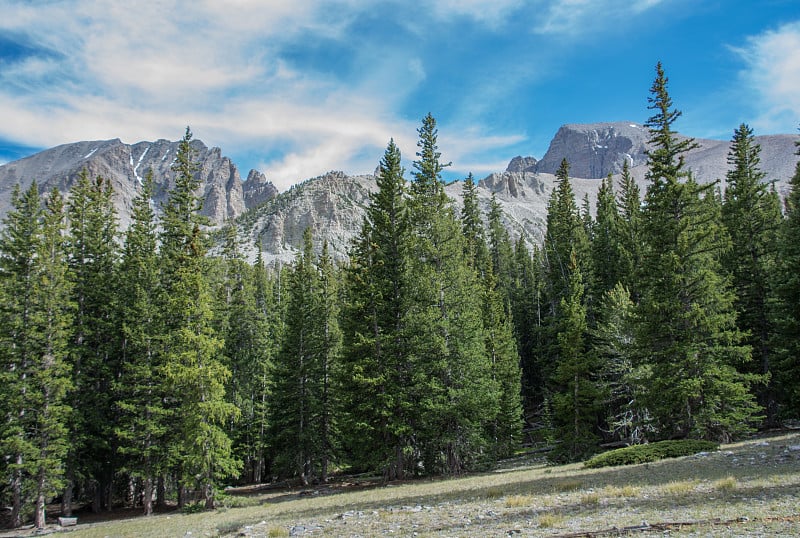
x,y
378,407
751,214
788,288
141,388
451,371
93,258
687,331
193,364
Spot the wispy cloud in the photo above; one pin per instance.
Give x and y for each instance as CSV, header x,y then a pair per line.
x,y
569,17
101,69
772,75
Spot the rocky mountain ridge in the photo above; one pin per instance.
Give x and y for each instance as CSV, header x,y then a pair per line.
x,y
333,204
224,193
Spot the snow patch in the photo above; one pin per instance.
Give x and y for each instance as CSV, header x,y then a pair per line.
x,y
90,153
139,162
633,125
164,158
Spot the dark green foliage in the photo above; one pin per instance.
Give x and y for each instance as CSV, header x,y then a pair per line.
x,y
93,257
194,367
629,209
452,379
565,234
636,454
686,320
788,290
143,417
576,398
751,215
34,334
606,246
622,382
502,253
376,374
301,412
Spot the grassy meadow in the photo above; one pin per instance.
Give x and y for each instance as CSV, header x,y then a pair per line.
x,y
750,488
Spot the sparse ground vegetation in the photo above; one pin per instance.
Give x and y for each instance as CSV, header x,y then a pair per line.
x,y
750,488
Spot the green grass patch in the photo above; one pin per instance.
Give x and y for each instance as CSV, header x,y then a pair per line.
x,y
650,452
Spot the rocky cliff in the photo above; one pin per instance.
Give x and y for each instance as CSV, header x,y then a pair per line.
x,y
125,165
333,204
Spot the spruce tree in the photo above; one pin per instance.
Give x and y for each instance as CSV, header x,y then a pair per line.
x,y
143,417
501,251
93,257
629,208
787,283
606,244
565,234
302,403
194,365
577,397
451,371
751,214
376,382
249,350
36,316
687,333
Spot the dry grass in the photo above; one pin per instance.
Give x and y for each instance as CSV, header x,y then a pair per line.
x,y
548,521
752,480
519,501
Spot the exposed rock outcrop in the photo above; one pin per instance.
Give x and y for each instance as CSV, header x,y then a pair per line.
x,y
126,165
595,149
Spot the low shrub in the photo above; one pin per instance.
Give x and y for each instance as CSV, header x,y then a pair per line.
x,y
650,452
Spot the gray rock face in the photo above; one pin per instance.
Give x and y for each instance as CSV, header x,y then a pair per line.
x,y
126,166
521,164
257,189
332,205
596,149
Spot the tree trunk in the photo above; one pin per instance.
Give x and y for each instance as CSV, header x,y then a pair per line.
x,y
161,492
66,498
40,520
208,492
16,496
147,500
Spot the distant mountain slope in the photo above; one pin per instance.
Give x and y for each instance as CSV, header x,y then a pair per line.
x,y
125,165
333,204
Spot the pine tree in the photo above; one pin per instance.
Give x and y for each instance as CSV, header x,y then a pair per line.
x,y
527,316
577,397
18,247
300,418
506,429
93,256
751,214
35,318
686,317
249,350
194,365
606,244
629,207
502,253
378,408
143,417
787,283
451,371
621,382
472,225
565,233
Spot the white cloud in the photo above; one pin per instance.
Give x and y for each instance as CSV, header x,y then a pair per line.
x,y
105,69
773,76
570,17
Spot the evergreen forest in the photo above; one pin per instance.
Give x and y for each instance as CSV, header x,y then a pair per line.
x,y
158,365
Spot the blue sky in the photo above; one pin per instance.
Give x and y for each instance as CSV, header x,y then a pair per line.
x,y
298,88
